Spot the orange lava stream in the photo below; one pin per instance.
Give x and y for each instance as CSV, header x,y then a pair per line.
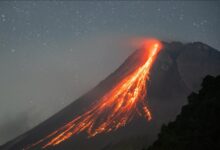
x,y
116,108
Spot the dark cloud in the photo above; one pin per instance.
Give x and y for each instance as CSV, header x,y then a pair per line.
x,y
13,126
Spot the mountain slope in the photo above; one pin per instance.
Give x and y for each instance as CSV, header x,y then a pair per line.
x,y
172,78
197,126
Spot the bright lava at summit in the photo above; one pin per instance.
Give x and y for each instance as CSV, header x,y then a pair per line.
x,y
116,108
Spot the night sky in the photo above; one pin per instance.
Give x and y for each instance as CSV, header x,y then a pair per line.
x,y
52,52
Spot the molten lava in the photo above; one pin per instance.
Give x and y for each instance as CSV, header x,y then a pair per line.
x,y
116,108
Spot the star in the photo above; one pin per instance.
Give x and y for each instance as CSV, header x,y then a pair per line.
x,y
13,50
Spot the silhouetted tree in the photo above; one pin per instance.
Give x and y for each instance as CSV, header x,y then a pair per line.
x,y
197,127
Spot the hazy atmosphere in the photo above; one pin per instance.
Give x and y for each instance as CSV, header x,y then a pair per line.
x,y
52,52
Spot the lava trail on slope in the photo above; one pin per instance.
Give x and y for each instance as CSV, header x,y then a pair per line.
x,y
115,109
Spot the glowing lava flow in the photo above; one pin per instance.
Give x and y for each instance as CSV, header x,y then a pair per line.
x,y
114,109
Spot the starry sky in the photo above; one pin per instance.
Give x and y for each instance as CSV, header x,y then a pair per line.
x,y
51,52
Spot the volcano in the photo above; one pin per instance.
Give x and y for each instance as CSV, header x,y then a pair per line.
x,y
177,71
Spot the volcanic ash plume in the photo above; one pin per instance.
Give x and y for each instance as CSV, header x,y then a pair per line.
x,y
116,108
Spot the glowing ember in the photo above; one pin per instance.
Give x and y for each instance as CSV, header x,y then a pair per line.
x,y
114,109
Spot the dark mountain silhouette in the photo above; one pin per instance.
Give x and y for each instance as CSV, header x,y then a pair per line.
x,y
178,70
197,126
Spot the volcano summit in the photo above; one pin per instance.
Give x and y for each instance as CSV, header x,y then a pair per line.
x,y
111,111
